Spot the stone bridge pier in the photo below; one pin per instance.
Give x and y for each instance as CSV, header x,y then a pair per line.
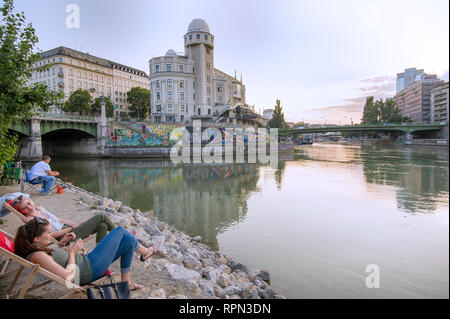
x,y
31,146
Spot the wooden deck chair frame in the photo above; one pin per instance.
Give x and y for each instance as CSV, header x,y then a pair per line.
x,y
25,220
36,269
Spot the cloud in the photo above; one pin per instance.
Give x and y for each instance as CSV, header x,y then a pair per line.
x,y
380,87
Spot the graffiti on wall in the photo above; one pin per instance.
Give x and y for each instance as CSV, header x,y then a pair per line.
x,y
134,134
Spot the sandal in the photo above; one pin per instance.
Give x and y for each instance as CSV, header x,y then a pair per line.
x,y
135,286
150,252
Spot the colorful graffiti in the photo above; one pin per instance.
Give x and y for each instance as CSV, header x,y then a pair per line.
x,y
141,135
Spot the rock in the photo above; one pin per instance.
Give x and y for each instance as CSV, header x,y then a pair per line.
x,y
232,290
259,274
125,210
106,202
277,296
110,210
172,245
206,262
171,238
225,269
221,260
192,286
162,251
238,266
116,205
153,231
207,287
223,280
158,293
213,274
120,221
248,290
234,297
85,198
158,241
191,262
219,292
178,297
267,293
179,272
197,238
161,226
176,257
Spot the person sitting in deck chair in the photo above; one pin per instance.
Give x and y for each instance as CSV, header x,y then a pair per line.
x,y
33,238
63,230
42,173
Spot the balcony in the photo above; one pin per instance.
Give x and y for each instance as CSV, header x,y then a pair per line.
x,y
61,84
61,74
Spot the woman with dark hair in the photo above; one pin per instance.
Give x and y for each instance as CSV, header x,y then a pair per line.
x,y
63,230
33,238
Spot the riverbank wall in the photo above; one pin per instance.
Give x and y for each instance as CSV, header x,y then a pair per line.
x,y
182,268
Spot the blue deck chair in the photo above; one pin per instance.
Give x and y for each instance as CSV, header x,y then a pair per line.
x,y
25,181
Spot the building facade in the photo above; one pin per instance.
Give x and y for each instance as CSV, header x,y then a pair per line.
x,y
439,104
268,113
408,77
415,100
70,70
187,86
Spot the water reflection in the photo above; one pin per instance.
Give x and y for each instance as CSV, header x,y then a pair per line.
x,y
200,200
420,174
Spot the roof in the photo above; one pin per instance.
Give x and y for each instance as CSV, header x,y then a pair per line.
x,y
89,58
198,25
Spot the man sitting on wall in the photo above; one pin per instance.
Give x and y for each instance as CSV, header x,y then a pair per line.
x,y
42,173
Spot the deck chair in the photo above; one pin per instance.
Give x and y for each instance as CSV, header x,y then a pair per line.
x,y
36,269
25,181
25,220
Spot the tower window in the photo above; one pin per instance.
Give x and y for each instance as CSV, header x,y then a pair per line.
x,y
206,37
198,36
190,36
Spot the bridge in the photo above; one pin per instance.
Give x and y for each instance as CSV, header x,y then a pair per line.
x,y
409,128
85,131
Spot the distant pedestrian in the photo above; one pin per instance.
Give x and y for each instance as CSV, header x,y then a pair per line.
x,y
42,173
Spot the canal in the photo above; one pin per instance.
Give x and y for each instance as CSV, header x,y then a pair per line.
x,y
316,223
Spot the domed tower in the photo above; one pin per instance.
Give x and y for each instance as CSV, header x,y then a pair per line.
x,y
199,46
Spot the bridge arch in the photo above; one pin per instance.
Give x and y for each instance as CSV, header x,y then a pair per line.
x,y
88,129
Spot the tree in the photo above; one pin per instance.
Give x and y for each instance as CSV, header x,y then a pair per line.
x,y
139,98
79,101
96,107
17,100
389,112
370,113
277,120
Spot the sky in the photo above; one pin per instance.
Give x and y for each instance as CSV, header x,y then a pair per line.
x,y
320,58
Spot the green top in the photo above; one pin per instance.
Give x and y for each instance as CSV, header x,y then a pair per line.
x,y
83,274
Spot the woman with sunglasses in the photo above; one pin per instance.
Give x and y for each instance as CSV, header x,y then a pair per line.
x,y
32,242
63,230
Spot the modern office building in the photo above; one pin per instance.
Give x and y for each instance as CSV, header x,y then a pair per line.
x,y
408,77
71,70
414,101
439,104
186,86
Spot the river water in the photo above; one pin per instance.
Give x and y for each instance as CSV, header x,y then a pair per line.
x,y
331,220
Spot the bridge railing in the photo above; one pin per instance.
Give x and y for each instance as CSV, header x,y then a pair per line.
x,y
67,116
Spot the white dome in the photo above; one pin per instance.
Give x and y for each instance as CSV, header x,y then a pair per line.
x,y
171,53
198,25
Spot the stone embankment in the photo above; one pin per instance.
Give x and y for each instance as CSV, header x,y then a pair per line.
x,y
185,262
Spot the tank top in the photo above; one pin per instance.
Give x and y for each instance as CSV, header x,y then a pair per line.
x,y
83,273
55,224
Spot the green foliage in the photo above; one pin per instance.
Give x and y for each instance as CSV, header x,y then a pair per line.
x,y
277,120
382,112
79,101
97,108
17,101
139,98
371,112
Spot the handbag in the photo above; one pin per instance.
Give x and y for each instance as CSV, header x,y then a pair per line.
x,y
114,290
